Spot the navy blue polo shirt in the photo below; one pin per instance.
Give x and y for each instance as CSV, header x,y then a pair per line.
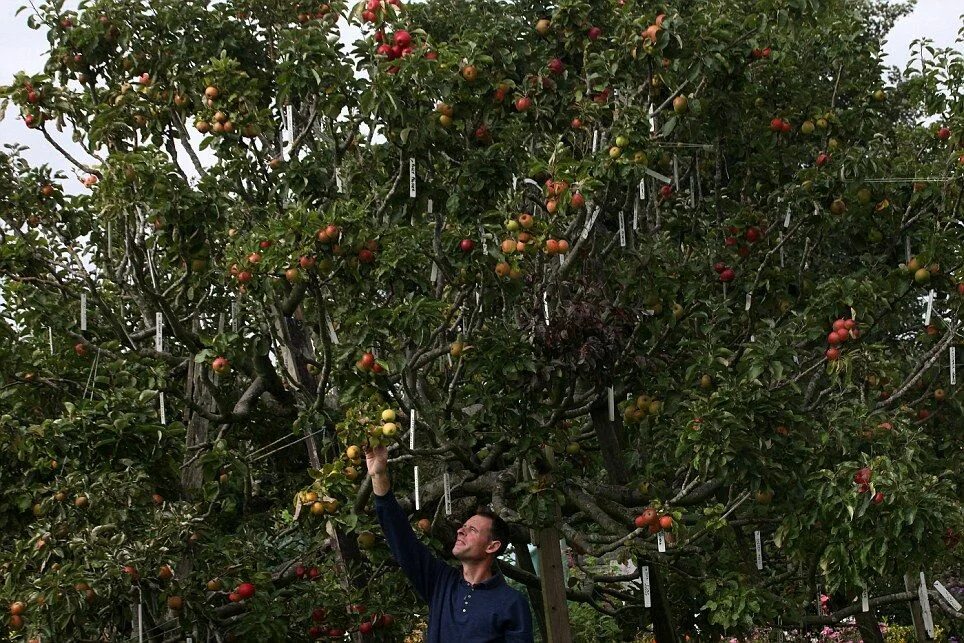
x,y
487,612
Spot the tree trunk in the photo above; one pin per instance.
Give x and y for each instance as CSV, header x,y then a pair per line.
x,y
192,475
869,628
553,583
611,445
664,629
293,350
524,560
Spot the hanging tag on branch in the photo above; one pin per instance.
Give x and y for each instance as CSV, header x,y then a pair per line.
x,y
159,334
50,339
434,276
925,606
109,244
656,175
611,403
952,356
411,177
622,231
545,307
290,127
339,183
930,308
447,491
675,173
83,312
786,219
515,182
635,215
759,549
652,119
589,224
907,249
661,542
163,411
642,189
595,141
418,500
749,301
864,601
647,592
947,596
411,429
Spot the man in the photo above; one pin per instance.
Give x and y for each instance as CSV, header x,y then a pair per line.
x,y
468,605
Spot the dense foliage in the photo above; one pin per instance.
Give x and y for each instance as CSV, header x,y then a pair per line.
x,y
639,272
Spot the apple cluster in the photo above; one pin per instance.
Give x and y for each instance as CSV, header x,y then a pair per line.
x,y
862,480
842,331
637,410
653,520
368,624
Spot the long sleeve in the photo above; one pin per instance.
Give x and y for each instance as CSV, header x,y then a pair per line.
x,y
416,560
518,625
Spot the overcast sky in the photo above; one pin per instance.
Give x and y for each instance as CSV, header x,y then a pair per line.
x,y
23,48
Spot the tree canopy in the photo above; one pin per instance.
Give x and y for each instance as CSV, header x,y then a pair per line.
x,y
662,279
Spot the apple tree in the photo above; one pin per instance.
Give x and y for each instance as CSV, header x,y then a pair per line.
x,y
679,284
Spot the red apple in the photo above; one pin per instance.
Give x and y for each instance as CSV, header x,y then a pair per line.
x,y
944,133
719,267
245,590
221,365
402,38
753,234
832,354
727,275
523,103
578,200
556,66
594,33
878,498
467,245
366,362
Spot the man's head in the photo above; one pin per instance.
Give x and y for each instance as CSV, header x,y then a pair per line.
x,y
484,535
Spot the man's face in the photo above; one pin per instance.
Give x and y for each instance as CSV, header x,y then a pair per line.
x,y
473,540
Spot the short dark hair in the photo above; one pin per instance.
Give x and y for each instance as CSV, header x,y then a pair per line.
x,y
499,530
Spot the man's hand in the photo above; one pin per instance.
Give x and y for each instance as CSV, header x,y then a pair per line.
x,y
377,461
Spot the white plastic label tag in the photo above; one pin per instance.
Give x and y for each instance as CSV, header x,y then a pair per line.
x,y
411,429
589,223
952,358
159,335
160,402
661,543
50,339
611,403
759,549
622,231
930,308
447,491
947,596
83,311
418,500
647,593
864,601
411,177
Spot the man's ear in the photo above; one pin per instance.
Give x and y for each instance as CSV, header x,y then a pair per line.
x,y
493,546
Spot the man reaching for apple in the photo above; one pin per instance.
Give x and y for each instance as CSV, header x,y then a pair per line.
x,y
470,605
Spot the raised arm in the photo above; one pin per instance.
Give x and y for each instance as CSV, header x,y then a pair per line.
x,y
417,561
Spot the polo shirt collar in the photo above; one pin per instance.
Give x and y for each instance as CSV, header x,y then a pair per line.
x,y
494,581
